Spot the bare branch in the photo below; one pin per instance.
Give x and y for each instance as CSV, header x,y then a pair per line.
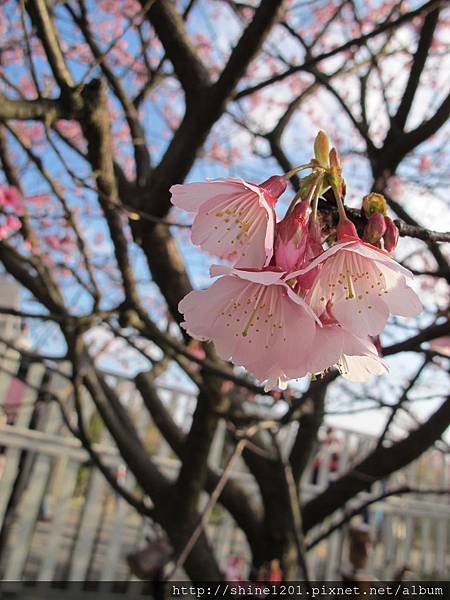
x,y
362,507
265,16
353,43
377,465
420,57
412,343
48,35
169,26
43,109
142,157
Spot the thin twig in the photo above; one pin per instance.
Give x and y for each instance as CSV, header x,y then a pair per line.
x,y
294,506
203,519
215,494
133,21
356,511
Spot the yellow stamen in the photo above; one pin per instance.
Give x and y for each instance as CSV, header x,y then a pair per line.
x,y
351,290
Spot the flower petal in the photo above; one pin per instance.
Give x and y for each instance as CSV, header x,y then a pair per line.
x,y
359,291
190,196
326,349
361,368
365,316
257,326
403,301
378,255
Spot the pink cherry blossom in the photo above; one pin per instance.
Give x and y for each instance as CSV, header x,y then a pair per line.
x,y
355,357
11,199
360,285
234,220
9,225
254,319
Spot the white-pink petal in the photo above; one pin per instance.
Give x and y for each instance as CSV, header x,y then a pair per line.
x,y
326,349
355,357
361,368
233,219
373,253
190,196
256,326
403,301
360,286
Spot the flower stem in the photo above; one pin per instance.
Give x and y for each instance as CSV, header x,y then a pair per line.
x,y
315,198
314,186
340,204
292,172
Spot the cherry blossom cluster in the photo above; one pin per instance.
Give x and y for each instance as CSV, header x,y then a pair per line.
x,y
285,305
11,207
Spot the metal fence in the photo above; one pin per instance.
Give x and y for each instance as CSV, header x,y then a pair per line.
x,y
61,521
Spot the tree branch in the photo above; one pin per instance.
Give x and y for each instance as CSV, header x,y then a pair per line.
x,y
265,16
169,26
130,447
419,60
43,109
233,497
362,507
412,343
353,43
141,154
376,466
308,426
47,33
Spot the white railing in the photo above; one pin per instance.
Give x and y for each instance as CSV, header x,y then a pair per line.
x,y
89,531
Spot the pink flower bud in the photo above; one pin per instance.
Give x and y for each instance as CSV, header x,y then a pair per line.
x,y
375,228
290,238
391,235
345,229
335,160
275,186
312,250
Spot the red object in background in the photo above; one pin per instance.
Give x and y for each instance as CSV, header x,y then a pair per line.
x,y
333,442
233,569
13,400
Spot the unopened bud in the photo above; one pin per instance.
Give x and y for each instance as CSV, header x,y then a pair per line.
x,y
374,203
275,186
335,160
322,149
294,222
291,237
391,235
375,228
335,173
